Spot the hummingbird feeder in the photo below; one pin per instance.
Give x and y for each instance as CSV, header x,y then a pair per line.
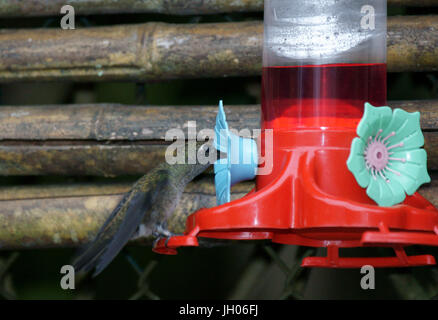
x,y
345,167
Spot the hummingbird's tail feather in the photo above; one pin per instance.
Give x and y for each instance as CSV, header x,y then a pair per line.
x,y
86,257
87,260
119,227
138,206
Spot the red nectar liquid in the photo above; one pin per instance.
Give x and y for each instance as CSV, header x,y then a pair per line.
x,y
320,96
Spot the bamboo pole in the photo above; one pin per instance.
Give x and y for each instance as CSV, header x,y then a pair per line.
x,y
158,51
151,51
58,220
81,158
30,220
38,191
174,7
19,8
108,160
117,122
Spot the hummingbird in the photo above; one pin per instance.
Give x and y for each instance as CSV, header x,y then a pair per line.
x,y
148,205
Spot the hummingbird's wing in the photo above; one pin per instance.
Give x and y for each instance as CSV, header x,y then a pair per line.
x,y
119,227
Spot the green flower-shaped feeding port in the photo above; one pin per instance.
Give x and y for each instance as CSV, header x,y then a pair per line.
x,y
387,158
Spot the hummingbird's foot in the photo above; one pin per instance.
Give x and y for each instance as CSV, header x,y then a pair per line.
x,y
160,232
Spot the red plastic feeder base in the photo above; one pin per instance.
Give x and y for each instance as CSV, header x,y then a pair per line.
x,y
311,199
400,260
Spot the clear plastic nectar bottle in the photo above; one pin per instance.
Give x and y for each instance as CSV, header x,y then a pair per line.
x,y
322,60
